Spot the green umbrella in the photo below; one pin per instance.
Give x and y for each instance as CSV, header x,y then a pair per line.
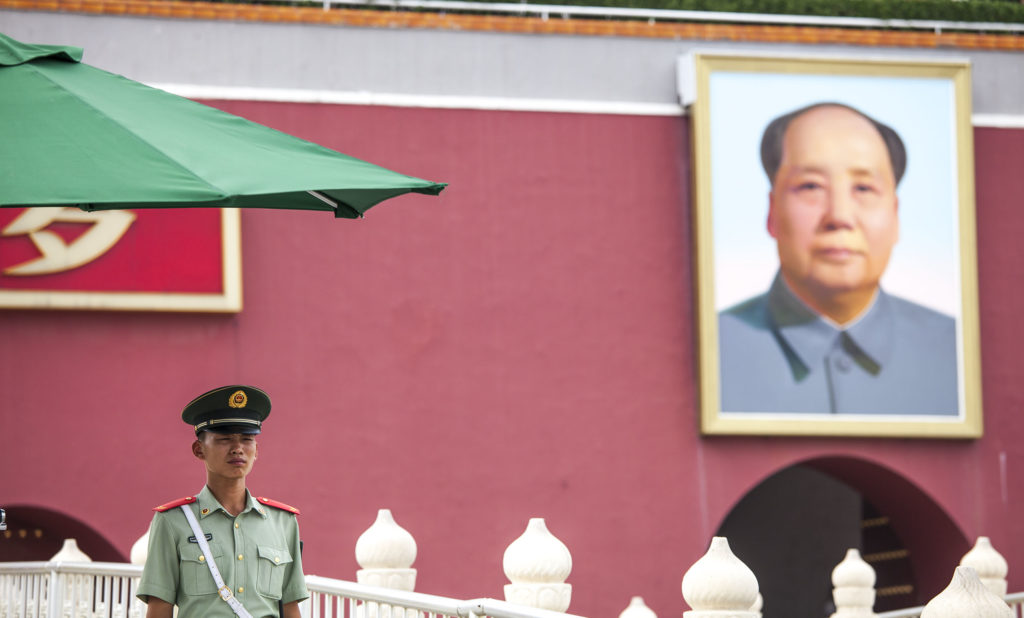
x,y
72,134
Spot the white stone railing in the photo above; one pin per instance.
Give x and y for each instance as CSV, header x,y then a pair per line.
x,y
69,589
1015,601
332,598
719,585
107,590
991,570
537,564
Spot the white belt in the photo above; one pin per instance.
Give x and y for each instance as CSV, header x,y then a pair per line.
x,y
222,590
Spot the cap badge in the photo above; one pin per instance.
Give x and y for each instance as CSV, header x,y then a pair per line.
x,y
238,400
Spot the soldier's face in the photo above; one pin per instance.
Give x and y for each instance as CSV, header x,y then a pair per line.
x,y
833,205
226,455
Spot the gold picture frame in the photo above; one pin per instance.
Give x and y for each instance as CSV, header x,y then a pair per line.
x,y
733,98
223,266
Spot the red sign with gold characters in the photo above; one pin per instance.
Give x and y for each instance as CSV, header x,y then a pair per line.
x,y
184,259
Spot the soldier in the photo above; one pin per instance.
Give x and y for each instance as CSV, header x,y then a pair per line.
x,y
240,555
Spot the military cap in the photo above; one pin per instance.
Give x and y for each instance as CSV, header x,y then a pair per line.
x,y
228,409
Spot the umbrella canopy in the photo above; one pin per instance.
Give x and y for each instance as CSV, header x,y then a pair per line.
x,y
75,135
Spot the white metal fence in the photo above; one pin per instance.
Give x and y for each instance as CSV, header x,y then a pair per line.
x,y
546,11
69,590
537,564
333,598
107,590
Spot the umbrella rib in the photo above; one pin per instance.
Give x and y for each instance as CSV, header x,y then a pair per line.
x,y
323,198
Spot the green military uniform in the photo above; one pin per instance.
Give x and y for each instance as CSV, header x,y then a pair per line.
x,y
257,553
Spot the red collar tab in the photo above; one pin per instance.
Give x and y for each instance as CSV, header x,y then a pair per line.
x,y
175,504
278,505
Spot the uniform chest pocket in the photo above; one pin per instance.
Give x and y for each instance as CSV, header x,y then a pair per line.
x,y
273,564
195,574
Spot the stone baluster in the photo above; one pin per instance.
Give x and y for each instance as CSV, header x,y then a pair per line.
x,y
74,587
386,552
101,606
990,565
720,585
853,591
758,604
69,552
538,564
637,609
966,597
138,555
140,549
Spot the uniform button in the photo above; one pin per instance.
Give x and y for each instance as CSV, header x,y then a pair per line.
x,y
277,559
236,524
202,558
205,511
241,589
239,556
843,364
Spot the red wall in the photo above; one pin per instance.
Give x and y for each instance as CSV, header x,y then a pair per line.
x,y
523,345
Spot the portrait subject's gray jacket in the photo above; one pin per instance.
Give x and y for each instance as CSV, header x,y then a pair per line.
x,y
778,355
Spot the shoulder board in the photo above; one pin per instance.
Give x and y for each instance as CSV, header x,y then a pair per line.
x,y
175,504
278,505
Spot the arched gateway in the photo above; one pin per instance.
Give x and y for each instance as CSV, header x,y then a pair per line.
x,y
37,533
796,525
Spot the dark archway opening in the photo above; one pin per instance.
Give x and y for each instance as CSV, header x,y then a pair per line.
x,y
795,526
35,533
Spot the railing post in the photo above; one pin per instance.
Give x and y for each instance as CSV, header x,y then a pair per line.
x,y
966,597
62,586
719,584
538,564
853,591
138,555
140,549
54,602
637,609
990,565
386,552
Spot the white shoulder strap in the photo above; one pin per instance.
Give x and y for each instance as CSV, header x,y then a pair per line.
x,y
222,590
